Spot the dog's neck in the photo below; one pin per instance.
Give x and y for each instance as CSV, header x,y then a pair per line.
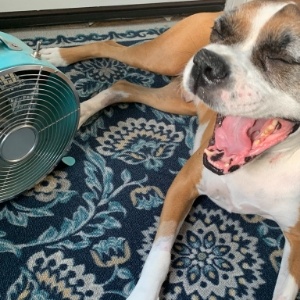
x,y
230,4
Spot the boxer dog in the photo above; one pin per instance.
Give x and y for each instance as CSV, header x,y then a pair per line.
x,y
244,84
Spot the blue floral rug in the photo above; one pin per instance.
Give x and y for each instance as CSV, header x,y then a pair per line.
x,y
85,231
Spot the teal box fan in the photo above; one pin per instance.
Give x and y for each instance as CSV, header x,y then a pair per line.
x,y
39,114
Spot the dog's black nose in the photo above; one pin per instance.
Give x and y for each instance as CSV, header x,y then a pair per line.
x,y
209,69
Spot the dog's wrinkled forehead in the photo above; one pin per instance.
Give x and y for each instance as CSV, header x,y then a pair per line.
x,y
249,24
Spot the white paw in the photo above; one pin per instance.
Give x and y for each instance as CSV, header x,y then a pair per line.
x,y
141,295
153,274
85,113
53,56
286,289
82,120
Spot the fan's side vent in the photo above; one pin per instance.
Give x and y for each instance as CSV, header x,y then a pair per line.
x,y
38,118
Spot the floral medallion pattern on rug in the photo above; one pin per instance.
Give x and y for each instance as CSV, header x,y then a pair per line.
x,y
84,231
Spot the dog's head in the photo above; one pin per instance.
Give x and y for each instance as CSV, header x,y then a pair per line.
x,y
250,75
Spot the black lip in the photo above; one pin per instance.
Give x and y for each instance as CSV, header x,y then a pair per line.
x,y
211,167
217,157
295,128
234,168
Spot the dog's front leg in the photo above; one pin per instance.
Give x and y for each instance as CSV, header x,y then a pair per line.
x,y
287,285
178,202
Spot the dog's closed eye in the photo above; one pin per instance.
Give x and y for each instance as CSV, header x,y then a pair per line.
x,y
282,59
219,31
227,32
275,50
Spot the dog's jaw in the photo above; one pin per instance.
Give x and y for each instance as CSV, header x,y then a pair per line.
x,y
237,141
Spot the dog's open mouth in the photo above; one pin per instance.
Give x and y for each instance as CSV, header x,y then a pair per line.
x,y
238,140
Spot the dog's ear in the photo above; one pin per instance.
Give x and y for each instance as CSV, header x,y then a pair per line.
x,y
230,4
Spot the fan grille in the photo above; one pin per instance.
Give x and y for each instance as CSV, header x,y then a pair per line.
x,y
39,113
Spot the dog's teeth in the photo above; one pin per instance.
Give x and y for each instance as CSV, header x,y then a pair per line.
x,y
270,128
256,142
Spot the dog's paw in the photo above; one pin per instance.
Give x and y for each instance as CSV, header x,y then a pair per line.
x,y
141,296
144,292
53,56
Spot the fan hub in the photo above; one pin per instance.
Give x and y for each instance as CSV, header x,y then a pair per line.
x,y
18,143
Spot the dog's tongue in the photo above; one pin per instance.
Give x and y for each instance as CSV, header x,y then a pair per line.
x,y
237,140
232,136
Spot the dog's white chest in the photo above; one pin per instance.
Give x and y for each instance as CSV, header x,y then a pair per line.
x,y
263,187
